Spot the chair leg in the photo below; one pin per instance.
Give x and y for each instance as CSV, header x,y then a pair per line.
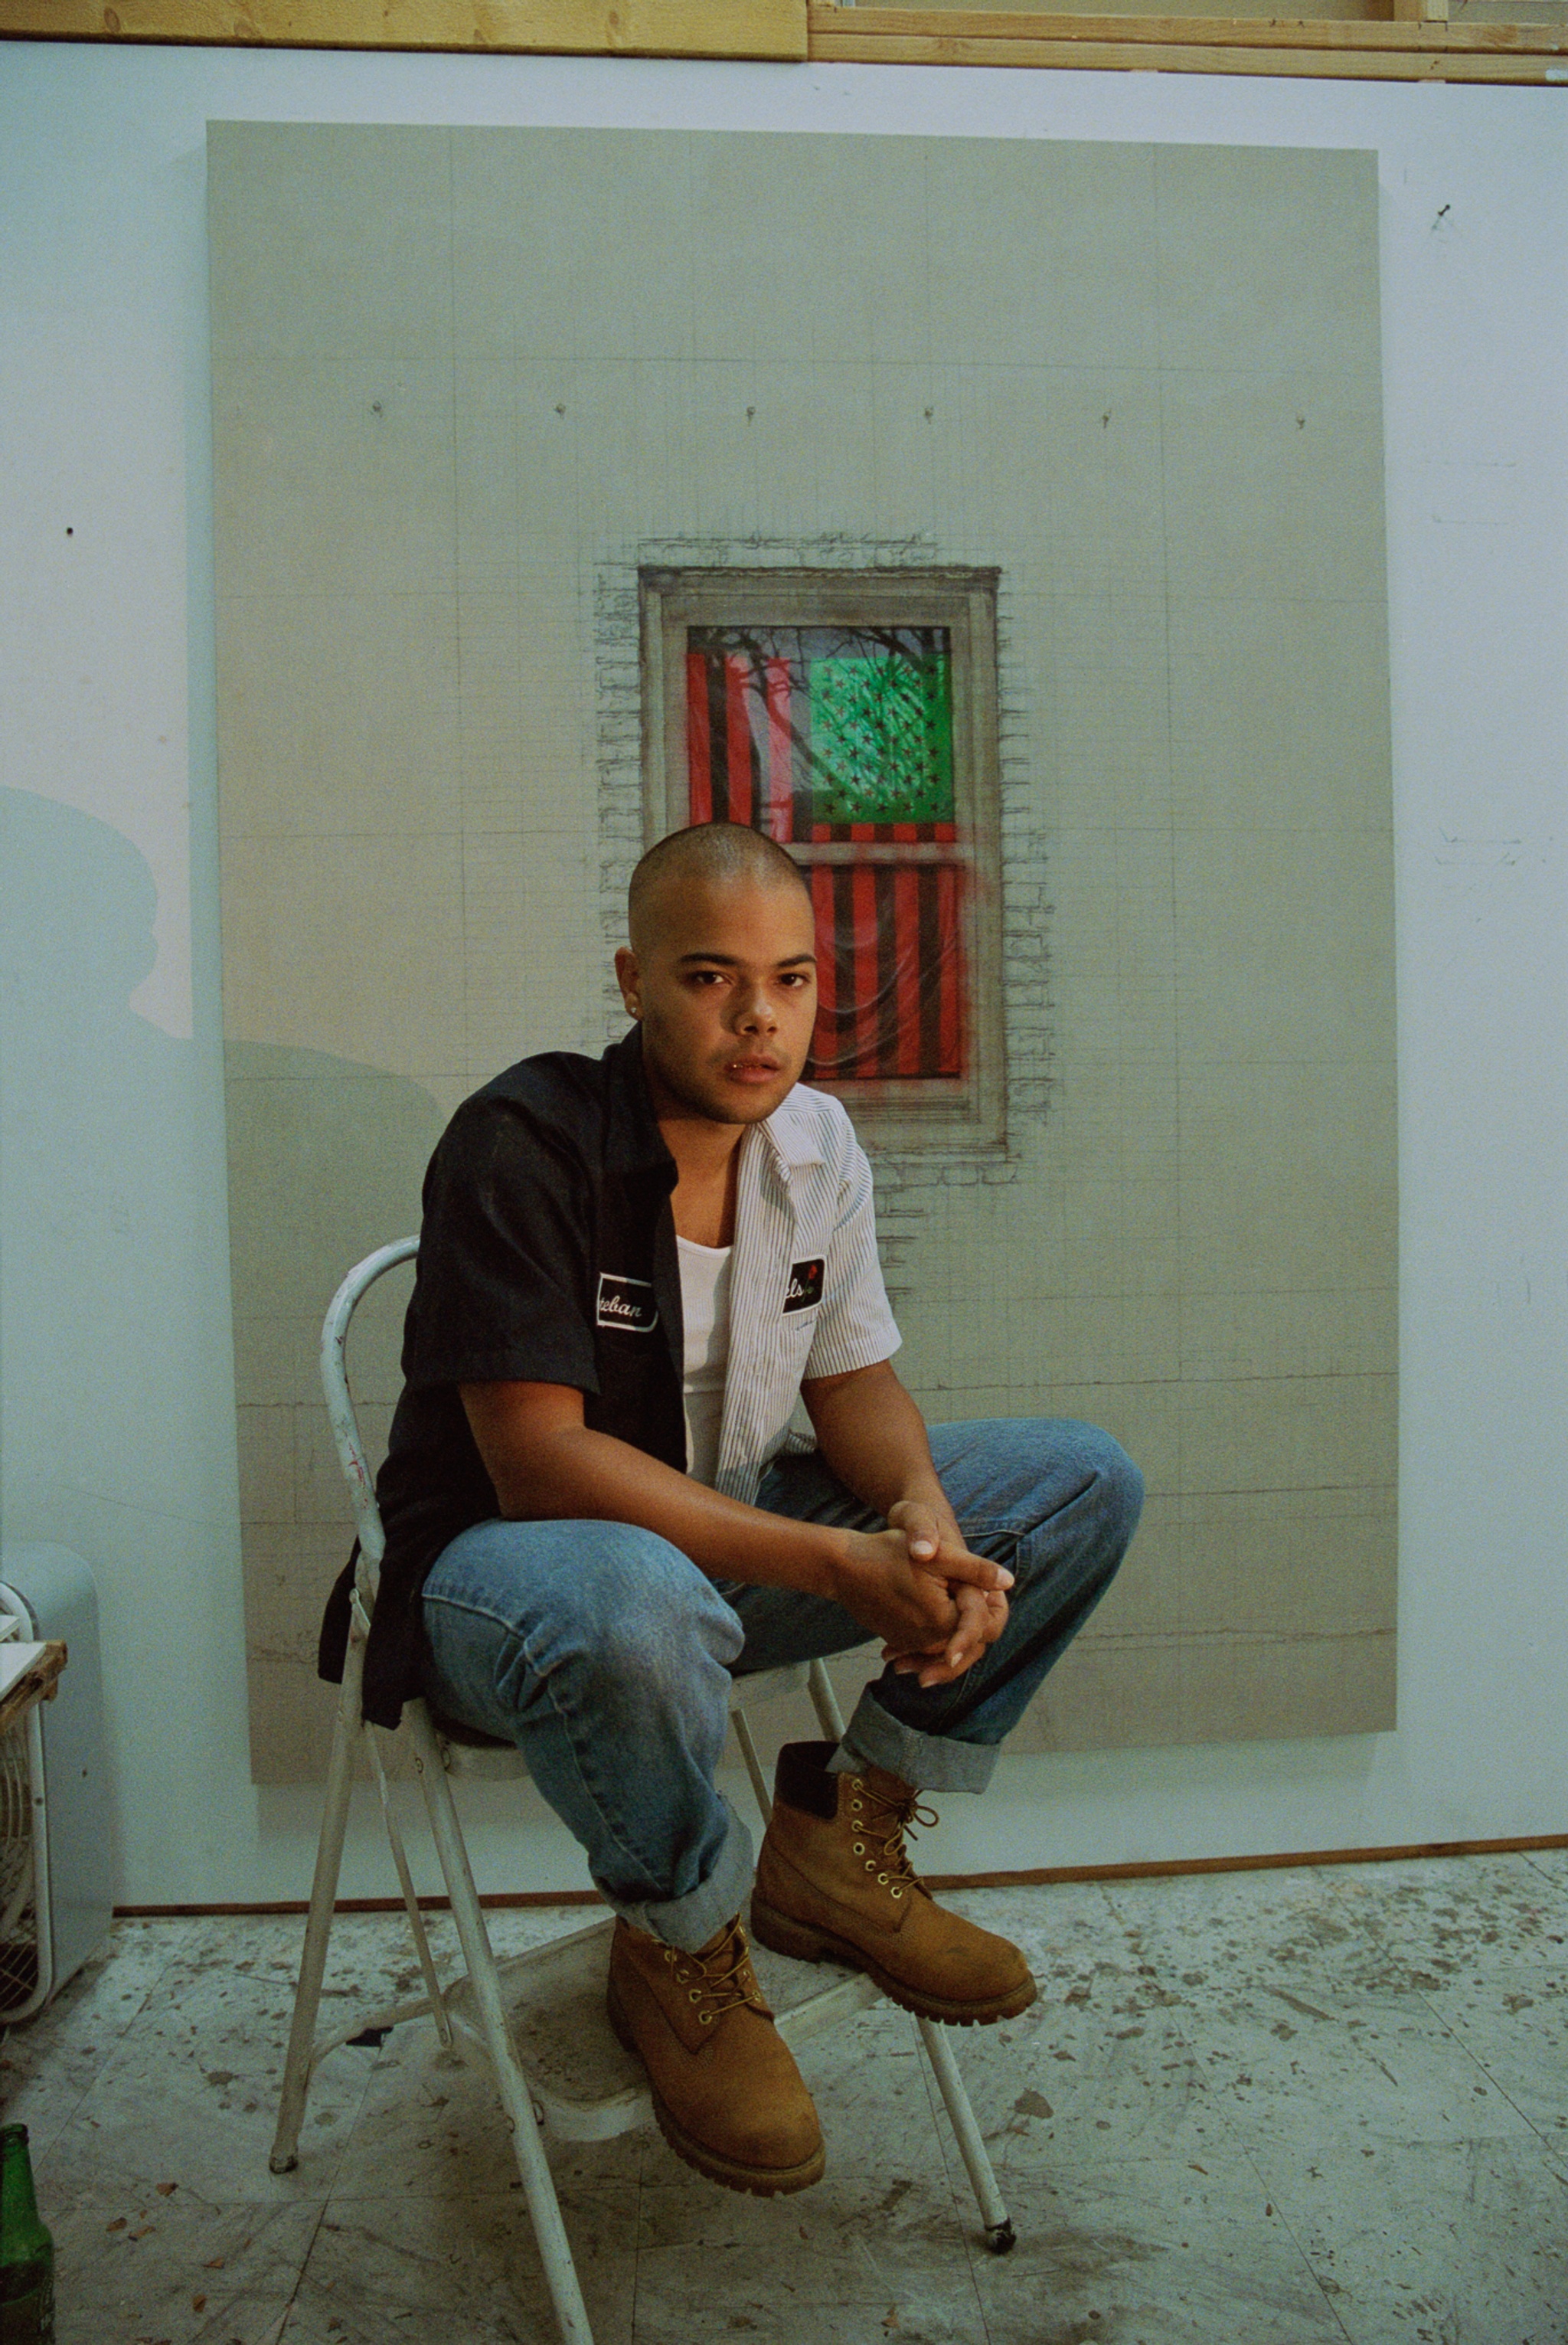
x,y
753,1757
999,2233
825,1702
410,1899
538,2182
318,1926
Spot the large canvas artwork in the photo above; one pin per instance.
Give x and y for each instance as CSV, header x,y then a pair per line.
x,y
1022,573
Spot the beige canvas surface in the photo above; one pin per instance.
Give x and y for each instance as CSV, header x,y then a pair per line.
x,y
463,383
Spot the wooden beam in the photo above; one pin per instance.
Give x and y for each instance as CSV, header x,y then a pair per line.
x,y
768,30
874,26
1322,48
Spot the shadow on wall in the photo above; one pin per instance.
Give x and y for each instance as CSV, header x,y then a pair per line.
x,y
98,1131
114,1429
326,1158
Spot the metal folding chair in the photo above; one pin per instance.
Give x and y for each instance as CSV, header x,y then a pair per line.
x,y
536,2024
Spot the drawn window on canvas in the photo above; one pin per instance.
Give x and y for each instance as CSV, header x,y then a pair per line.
x,y
851,717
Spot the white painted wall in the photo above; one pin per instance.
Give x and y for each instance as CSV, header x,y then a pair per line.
x,y
114,1362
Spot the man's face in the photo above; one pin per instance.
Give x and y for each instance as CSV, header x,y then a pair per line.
x,y
726,987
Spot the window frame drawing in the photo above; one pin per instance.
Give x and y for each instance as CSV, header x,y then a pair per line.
x,y
964,1110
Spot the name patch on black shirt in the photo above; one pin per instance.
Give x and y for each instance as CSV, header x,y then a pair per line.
x,y
629,1303
804,1288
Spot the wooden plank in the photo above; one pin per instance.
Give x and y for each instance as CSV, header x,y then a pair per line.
x,y
831,24
1434,60
765,30
34,1682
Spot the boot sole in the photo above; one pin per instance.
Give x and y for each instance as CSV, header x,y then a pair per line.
x,y
808,1944
757,2181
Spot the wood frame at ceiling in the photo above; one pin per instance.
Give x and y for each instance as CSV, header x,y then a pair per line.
x,y
1414,42
766,30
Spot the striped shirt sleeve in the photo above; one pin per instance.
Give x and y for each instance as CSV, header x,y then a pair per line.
x,y
854,1323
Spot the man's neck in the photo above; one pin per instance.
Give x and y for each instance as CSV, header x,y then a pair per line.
x,y
708,1164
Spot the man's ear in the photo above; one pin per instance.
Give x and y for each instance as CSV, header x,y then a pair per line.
x,y
629,978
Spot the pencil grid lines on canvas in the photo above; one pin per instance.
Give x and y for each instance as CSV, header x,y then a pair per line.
x,y
465,385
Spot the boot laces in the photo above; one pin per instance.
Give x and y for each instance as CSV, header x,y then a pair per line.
x,y
893,1814
719,1977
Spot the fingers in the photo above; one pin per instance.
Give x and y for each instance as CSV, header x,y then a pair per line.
x,y
981,1618
974,1571
920,1527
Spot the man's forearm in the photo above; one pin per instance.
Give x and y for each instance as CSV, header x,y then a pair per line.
x,y
871,1436
574,1472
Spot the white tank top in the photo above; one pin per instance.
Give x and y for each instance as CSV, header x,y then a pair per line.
x,y
705,1311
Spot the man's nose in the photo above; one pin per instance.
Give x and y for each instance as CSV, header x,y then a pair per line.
x,y
754,1011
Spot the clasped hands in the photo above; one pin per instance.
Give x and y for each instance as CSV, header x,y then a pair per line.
x,y
916,1586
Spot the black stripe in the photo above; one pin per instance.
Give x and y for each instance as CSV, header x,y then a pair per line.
x,y
930,974
757,721
718,736
886,975
843,965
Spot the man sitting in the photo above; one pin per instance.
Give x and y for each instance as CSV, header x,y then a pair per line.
x,y
631,1270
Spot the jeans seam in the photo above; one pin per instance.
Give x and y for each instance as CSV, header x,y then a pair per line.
x,y
474,1611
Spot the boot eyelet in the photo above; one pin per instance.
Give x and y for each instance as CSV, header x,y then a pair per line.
x,y
860,1848
898,1893
871,1864
694,1995
882,1880
704,2019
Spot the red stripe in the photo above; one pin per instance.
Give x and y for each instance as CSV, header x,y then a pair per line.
x,y
906,963
824,1040
699,749
944,831
951,977
905,834
822,831
737,676
862,834
781,762
864,898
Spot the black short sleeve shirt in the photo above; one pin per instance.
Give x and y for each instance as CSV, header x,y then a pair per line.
x,y
547,1256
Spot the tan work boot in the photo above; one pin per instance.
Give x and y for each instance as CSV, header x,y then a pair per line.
x,y
835,1884
726,2092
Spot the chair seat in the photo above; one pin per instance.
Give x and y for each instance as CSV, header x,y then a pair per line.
x,y
586,2086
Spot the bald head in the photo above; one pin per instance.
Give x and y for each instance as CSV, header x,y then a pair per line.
x,y
708,855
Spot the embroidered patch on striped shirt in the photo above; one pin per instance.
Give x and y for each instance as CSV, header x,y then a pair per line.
x,y
804,1288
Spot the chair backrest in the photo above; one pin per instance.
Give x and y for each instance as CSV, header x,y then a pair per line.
x,y
351,1453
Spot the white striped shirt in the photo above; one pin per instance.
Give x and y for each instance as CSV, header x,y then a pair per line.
x,y
806,1297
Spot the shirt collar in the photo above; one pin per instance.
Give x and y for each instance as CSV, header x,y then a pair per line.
x,y
792,1132
633,1142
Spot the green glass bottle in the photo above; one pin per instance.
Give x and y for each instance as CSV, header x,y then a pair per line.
x,y
26,2251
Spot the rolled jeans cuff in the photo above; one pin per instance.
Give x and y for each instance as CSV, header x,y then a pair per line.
x,y
690,1921
927,1762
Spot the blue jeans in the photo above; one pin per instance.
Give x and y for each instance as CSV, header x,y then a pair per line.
x,y
607,1657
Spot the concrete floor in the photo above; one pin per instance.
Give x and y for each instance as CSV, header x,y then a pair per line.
x,y
1248,2109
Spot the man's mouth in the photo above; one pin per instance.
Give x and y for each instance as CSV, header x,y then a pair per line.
x,y
751,1070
